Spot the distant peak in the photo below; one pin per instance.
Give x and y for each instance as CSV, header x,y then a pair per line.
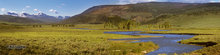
x,y
12,13
41,14
62,17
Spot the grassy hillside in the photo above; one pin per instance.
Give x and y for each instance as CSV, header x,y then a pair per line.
x,y
204,21
5,25
178,14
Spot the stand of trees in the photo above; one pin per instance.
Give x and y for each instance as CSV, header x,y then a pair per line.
x,y
164,25
120,23
62,25
37,26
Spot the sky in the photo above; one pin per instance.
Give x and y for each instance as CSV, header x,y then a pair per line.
x,y
70,7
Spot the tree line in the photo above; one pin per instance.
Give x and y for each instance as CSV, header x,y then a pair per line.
x,y
55,25
119,22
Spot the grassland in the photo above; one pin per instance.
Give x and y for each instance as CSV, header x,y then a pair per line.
x,y
49,40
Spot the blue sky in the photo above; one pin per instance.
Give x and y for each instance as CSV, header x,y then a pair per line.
x,y
69,7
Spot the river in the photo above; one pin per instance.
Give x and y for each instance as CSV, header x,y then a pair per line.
x,y
168,43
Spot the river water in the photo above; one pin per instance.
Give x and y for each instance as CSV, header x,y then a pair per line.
x,y
168,43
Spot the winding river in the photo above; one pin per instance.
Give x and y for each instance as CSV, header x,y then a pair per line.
x,y
168,43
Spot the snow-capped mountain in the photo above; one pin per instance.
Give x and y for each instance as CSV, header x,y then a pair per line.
x,y
12,14
66,17
39,16
24,15
63,17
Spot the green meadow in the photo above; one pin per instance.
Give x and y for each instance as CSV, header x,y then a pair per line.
x,y
24,39
47,40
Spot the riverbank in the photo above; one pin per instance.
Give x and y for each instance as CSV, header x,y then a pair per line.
x,y
210,42
203,36
168,43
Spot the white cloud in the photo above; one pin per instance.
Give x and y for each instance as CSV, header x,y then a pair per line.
x,y
3,9
12,11
54,11
37,10
23,11
61,5
27,6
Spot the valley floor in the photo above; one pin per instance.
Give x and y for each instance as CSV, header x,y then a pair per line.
x,y
49,40
66,41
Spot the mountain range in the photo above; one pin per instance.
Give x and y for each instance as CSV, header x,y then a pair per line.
x,y
178,14
39,16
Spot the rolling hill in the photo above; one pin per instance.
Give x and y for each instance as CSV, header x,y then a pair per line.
x,y
13,19
178,14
